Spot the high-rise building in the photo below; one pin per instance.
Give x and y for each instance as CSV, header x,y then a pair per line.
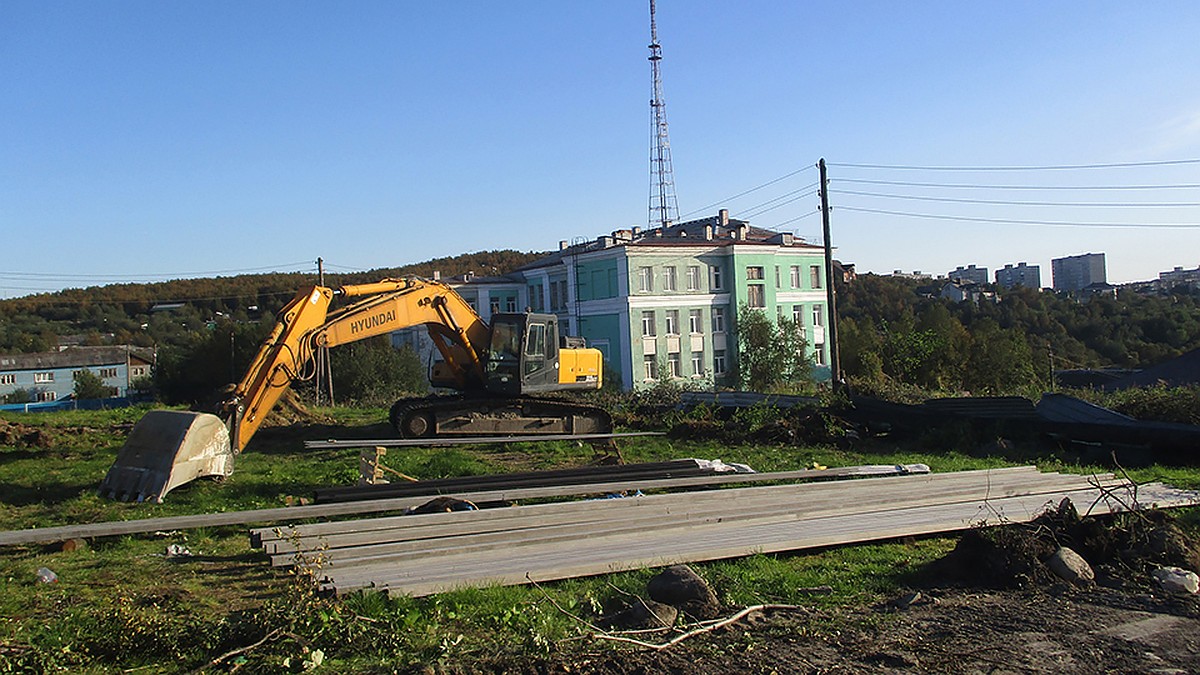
x,y
1029,276
1077,272
969,273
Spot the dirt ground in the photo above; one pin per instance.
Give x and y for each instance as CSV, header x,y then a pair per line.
x,y
1094,630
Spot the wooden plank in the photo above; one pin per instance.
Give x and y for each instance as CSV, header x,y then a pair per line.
x,y
407,551
606,554
466,440
770,499
44,535
504,495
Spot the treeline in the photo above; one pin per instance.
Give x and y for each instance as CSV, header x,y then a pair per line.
x,y
121,313
892,334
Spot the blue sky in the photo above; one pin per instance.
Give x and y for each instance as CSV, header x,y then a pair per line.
x,y
142,141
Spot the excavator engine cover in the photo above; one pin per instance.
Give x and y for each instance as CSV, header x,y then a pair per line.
x,y
166,449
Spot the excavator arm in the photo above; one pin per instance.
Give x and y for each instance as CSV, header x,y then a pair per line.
x,y
168,448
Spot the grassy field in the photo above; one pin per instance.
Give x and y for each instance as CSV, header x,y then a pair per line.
x,y
121,604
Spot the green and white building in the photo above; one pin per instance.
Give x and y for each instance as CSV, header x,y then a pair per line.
x,y
663,302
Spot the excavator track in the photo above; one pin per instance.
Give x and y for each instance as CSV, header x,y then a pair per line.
x,y
442,416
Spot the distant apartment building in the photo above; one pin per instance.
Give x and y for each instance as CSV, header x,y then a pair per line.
x,y
969,273
50,376
1077,272
662,304
1029,276
1179,277
915,274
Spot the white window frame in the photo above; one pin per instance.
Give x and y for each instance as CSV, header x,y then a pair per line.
x,y
795,276
674,365
648,323
693,277
43,378
818,315
755,273
718,320
670,278
646,279
695,321
672,318
798,315
650,362
719,362
756,296
718,281
8,378
814,275
108,373
697,364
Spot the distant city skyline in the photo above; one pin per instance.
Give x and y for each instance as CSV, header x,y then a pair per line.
x,y
151,141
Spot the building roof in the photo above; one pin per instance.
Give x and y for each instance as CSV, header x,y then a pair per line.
x,y
77,357
718,230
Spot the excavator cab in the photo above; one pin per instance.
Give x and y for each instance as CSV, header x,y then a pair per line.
x,y
528,355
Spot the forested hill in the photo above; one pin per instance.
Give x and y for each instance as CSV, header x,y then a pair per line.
x,y
120,313
890,331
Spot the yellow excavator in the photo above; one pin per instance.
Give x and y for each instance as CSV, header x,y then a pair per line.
x,y
498,370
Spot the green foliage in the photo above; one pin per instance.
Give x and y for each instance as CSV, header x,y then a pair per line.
x,y
89,385
21,396
373,373
192,372
772,356
1164,404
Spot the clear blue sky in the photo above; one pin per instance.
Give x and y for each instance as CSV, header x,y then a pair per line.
x,y
148,140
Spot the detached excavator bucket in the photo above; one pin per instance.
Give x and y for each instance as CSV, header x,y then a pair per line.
x,y
166,449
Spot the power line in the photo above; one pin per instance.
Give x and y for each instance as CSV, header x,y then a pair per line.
x,y
135,277
1009,221
868,181
769,183
1059,167
1014,203
754,212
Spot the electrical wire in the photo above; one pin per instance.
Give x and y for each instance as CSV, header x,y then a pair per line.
x,y
867,181
1015,203
1012,221
753,189
1060,167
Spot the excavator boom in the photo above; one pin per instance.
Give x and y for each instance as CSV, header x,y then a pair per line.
x,y
169,448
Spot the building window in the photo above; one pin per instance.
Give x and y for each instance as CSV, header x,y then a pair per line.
x,y
669,277
537,298
495,305
798,315
754,273
795,272
817,315
108,372
672,322
138,371
718,282
719,362
718,319
756,296
814,276
43,378
651,367
553,295
44,396
778,277
695,321
693,277
673,364
646,279
8,379
819,355
697,364
510,304
648,324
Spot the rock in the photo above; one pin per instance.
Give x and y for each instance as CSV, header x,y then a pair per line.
x,y
1177,580
643,614
907,600
1071,567
680,587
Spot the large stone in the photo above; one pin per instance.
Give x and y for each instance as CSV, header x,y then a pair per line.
x,y
1071,567
680,587
1177,580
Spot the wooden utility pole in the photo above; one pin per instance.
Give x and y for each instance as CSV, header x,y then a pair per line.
x,y
835,357
324,373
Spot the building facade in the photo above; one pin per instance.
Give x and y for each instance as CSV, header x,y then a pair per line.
x,y
978,275
1029,276
1077,272
663,303
50,376
1179,277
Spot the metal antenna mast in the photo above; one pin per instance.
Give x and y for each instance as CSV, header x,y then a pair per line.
x,y
663,208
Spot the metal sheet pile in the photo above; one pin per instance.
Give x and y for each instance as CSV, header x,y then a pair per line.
x,y
424,554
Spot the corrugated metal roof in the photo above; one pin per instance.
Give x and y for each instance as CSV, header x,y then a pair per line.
x,y
75,357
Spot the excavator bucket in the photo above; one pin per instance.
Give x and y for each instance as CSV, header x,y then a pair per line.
x,y
166,449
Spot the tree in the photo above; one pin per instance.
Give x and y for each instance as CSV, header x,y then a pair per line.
x,y
771,355
372,372
89,385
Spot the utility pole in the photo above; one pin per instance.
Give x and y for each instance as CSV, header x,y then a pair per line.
x,y
663,207
835,357
324,375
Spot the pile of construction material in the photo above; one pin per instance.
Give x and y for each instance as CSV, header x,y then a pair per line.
x,y
423,554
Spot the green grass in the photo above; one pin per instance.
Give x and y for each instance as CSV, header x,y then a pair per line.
x,y
121,604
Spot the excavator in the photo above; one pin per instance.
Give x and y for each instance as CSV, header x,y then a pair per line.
x,y
500,372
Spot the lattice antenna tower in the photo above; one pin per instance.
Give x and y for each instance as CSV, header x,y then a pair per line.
x,y
663,207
